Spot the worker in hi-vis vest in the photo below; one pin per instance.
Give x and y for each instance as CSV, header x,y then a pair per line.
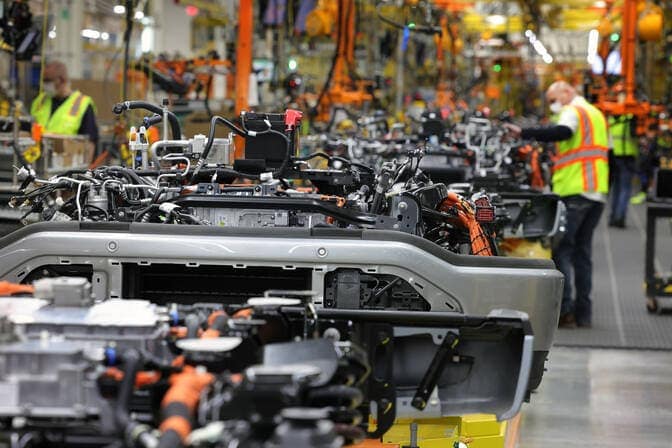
x,y
60,110
624,151
581,179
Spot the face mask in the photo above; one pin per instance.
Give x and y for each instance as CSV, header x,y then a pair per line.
x,y
49,88
556,107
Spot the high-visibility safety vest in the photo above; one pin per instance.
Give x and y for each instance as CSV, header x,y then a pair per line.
x,y
67,118
623,142
581,165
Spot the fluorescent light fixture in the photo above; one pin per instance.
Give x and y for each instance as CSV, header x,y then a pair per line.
x,y
119,9
593,40
539,47
90,34
104,35
139,15
147,39
496,19
613,64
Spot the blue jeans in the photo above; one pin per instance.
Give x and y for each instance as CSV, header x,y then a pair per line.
x,y
623,171
573,255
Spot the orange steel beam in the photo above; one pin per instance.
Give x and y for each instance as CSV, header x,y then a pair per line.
x,y
628,44
346,43
244,59
642,110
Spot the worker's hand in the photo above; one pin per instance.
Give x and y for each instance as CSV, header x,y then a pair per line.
x,y
514,130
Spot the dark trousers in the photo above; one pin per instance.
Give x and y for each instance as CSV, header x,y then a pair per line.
x,y
623,171
573,255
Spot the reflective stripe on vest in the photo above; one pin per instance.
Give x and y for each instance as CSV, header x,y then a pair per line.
x,y
583,159
74,110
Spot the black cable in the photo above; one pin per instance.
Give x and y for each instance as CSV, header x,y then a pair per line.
x,y
330,158
211,140
131,365
224,172
208,88
107,216
417,29
175,128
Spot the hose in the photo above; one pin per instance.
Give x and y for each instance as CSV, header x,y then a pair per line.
x,y
480,243
179,405
336,395
211,140
130,105
131,365
193,323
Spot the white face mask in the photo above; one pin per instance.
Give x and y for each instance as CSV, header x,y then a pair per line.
x,y
49,88
556,107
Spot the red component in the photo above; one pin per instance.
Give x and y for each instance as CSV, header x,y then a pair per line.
x,y
292,118
485,214
483,201
191,10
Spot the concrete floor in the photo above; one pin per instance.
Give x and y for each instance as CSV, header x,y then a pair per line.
x,y
601,398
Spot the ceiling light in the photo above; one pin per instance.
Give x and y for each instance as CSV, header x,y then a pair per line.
x,y
600,4
593,40
496,19
90,34
119,9
139,15
104,35
52,34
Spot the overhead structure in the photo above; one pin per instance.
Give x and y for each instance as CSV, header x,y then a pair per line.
x,y
340,89
628,104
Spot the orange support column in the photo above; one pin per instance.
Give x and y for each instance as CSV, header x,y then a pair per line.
x,y
628,44
244,60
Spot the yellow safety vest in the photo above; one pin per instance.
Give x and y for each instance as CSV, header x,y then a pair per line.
x,y
623,142
67,118
581,165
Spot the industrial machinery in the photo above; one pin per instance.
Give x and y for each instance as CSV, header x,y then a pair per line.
x,y
345,233
339,89
271,371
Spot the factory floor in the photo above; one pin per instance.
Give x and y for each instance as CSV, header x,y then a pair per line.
x,y
595,393
601,398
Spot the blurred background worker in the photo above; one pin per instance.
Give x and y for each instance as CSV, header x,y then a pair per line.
x,y
60,110
625,148
581,179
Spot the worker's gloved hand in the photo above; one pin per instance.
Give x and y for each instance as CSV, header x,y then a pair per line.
x,y
514,130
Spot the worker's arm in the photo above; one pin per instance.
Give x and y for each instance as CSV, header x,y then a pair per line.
x,y
567,124
89,127
553,133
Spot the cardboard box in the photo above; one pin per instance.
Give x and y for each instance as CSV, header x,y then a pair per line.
x,y
62,153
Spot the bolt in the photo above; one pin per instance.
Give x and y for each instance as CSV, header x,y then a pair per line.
x,y
403,206
322,252
112,246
